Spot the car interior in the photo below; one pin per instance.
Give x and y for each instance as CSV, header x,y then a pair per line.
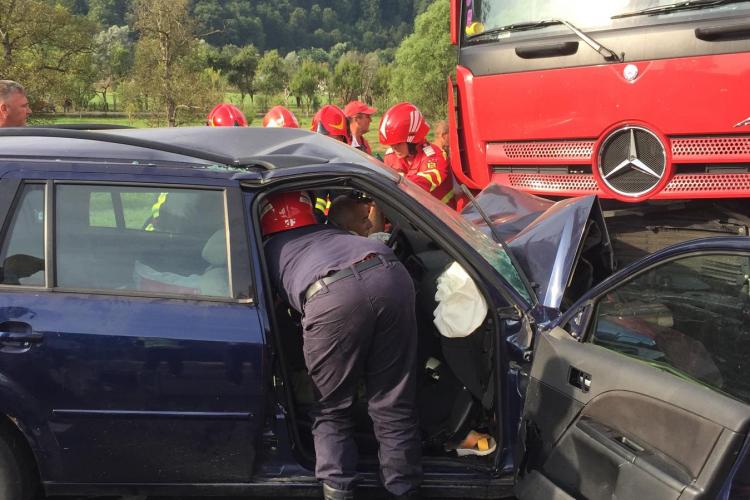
x,y
459,370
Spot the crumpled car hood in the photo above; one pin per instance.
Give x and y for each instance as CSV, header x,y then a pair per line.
x,y
545,237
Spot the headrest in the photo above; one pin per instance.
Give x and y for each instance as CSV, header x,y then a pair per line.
x,y
215,249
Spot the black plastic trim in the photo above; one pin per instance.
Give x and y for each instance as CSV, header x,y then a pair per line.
x,y
547,50
643,43
723,32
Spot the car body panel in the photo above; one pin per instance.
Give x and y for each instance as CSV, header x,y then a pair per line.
x,y
642,428
546,237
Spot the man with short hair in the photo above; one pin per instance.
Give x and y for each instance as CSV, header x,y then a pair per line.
x,y
359,116
441,137
351,214
14,106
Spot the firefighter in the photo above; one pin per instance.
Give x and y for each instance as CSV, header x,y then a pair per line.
x,y
359,116
404,130
279,116
331,121
226,115
358,323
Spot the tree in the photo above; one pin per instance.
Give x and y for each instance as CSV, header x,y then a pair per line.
x,y
112,58
108,12
244,64
271,77
45,47
424,60
307,80
346,81
167,37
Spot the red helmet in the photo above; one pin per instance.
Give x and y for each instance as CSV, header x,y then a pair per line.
x,y
284,211
279,116
330,120
403,122
226,115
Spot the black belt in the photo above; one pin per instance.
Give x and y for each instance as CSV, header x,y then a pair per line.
x,y
360,266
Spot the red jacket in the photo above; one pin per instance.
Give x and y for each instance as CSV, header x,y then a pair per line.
x,y
428,168
363,145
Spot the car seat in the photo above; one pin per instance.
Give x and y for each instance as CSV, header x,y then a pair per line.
x,y
214,280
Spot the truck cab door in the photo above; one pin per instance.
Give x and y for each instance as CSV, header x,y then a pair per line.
x,y
641,390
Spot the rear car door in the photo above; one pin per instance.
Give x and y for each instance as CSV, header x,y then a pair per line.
x,y
130,346
643,390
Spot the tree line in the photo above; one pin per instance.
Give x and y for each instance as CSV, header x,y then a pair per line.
x,y
174,59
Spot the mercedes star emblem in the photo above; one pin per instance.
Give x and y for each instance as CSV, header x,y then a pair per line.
x,y
632,161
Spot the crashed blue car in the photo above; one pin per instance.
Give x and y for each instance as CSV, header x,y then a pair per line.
x,y
142,350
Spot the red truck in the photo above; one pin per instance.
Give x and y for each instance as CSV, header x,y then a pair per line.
x,y
645,103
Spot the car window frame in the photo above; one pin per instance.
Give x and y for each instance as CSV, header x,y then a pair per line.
x,y
238,259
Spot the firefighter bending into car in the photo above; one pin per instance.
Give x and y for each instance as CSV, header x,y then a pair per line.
x,y
404,129
358,323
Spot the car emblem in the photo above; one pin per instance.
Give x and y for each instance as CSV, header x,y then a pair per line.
x,y
632,161
630,72
744,123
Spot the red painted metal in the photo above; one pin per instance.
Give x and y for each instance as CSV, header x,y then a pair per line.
x,y
558,117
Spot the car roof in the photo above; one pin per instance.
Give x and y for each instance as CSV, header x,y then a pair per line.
x,y
236,149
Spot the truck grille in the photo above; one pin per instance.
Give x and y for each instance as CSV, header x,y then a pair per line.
x,y
703,167
688,147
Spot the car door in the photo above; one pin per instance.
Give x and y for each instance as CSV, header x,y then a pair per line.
x,y
130,348
642,389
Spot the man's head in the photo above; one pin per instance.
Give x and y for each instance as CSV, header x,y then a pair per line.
x,y
350,214
359,115
14,106
441,135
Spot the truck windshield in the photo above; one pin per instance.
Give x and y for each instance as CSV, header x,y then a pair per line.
x,y
483,16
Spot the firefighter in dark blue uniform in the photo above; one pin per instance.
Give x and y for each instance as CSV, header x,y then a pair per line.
x,y
358,319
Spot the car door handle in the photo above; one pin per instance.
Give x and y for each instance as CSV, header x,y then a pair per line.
x,y
21,337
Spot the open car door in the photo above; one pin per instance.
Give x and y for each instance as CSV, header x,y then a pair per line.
x,y
642,389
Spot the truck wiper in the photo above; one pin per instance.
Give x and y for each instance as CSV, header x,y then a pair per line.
x,y
606,53
675,7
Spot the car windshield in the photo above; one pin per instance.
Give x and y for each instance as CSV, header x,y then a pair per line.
x,y
483,16
489,249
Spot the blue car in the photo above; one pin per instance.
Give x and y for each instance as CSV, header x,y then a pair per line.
x,y
143,351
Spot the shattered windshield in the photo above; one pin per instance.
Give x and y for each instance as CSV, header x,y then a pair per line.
x,y
489,249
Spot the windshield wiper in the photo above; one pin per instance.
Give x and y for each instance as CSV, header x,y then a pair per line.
x,y
607,54
675,7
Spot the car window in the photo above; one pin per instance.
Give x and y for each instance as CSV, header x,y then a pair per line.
x,y
170,241
22,254
690,316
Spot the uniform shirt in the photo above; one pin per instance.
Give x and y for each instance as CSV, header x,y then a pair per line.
x,y
299,257
362,146
428,168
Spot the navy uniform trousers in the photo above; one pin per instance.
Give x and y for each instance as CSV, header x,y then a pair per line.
x,y
364,327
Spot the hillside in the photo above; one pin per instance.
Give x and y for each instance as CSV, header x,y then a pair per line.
x,y
286,25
